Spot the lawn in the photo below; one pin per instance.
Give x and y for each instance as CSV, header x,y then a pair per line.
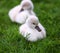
x,y
48,12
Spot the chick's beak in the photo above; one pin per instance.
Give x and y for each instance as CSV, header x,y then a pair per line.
x,y
37,28
21,10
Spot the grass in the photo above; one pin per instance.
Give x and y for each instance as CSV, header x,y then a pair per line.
x,y
11,41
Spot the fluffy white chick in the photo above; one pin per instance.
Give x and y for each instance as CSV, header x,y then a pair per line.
x,y
25,5
32,29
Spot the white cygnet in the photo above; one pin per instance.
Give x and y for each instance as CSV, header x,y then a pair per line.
x,y
15,12
32,30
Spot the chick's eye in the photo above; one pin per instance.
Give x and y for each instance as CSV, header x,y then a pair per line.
x,y
33,23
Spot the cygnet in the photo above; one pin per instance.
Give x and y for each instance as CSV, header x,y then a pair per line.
x,y
25,5
32,30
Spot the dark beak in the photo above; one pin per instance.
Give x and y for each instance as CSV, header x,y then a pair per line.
x,y
37,28
21,10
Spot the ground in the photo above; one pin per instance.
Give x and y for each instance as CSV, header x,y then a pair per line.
x,y
48,12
